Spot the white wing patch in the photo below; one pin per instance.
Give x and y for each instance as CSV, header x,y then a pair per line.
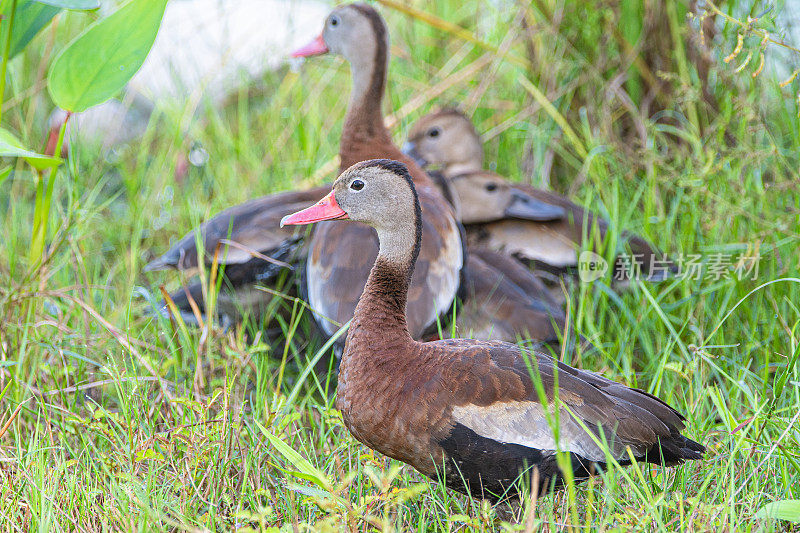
x,y
454,252
316,283
524,423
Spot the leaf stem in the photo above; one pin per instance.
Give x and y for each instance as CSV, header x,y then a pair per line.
x,y
44,197
6,52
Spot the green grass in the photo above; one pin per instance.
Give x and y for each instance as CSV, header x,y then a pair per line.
x,y
122,421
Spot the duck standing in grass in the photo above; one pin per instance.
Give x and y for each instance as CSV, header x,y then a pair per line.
x,y
466,411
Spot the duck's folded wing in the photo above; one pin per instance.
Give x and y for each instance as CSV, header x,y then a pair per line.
x,y
654,264
242,231
520,275
494,307
499,401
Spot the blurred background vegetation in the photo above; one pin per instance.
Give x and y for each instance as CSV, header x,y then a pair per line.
x,y
677,120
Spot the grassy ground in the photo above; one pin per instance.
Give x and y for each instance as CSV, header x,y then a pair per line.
x,y
116,420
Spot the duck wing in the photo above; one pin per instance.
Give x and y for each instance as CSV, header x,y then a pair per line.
x,y
253,226
496,413
495,307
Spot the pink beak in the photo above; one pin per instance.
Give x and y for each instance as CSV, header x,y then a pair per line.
x,y
314,48
325,209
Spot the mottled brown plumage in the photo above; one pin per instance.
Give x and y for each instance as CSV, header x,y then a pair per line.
x,y
469,410
448,138
245,237
496,307
341,255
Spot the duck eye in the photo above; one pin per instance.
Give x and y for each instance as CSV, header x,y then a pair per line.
x,y
434,132
491,187
334,21
356,185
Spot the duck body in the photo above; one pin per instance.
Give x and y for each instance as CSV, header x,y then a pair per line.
x,y
252,226
471,407
468,411
505,301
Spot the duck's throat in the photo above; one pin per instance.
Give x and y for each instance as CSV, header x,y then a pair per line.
x,y
461,168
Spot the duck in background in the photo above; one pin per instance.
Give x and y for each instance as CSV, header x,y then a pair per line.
x,y
250,247
479,415
341,255
447,138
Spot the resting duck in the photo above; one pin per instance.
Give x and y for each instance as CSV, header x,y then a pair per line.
x,y
253,250
500,298
448,138
341,255
470,407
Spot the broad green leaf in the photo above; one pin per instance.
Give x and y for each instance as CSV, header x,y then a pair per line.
x,y
311,473
788,510
4,174
99,62
72,4
10,146
29,20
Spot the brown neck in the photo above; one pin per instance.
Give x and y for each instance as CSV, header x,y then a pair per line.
x,y
364,121
381,310
364,135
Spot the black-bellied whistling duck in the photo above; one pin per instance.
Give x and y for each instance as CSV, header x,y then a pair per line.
x,y
470,407
341,255
253,249
448,138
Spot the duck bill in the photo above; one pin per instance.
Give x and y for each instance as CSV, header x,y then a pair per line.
x,y
314,48
410,149
325,209
525,207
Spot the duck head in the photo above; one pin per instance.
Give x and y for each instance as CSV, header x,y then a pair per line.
x,y
486,197
356,32
379,193
446,138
